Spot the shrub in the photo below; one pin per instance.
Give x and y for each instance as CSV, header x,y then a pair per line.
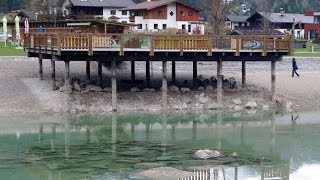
x,y
316,41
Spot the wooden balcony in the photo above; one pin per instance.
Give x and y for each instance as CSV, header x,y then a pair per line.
x,y
58,44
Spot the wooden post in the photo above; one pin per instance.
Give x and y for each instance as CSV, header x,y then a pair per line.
x,y
219,82
114,85
67,76
273,79
173,71
88,68
164,85
148,73
40,68
133,74
244,78
195,73
53,73
100,73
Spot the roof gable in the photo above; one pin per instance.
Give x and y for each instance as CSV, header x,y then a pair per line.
x,y
287,18
148,5
235,18
102,3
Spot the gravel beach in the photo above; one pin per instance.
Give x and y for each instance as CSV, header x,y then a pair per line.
x,y
23,93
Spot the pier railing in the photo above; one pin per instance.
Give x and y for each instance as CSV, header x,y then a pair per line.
x,y
53,42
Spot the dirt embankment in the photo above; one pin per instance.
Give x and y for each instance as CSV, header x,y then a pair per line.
x,y
23,93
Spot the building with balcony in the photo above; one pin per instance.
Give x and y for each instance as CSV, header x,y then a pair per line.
x,y
161,15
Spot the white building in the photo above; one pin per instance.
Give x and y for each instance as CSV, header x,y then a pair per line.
x,y
158,15
106,9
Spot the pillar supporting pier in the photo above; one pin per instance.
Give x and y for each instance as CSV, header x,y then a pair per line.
x,y
173,71
219,82
67,75
195,73
148,73
164,85
40,67
100,73
133,74
88,68
114,85
53,73
273,80
244,76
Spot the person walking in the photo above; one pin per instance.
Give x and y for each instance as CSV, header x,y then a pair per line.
x,y
294,67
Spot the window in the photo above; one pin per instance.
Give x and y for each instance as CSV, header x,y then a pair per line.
x,y
124,22
190,13
139,26
181,13
124,13
113,12
164,26
183,26
189,28
155,26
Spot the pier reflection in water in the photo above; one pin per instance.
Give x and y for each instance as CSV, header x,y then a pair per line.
x,y
261,146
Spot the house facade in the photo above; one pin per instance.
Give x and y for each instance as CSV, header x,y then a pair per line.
x,y
312,31
159,15
283,22
233,21
93,9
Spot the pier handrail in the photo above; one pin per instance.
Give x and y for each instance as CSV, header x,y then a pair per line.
x,y
155,42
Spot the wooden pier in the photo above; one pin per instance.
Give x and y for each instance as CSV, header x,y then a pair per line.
x,y
114,48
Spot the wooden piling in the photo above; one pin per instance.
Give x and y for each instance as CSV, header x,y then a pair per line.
x,y
164,85
133,74
67,75
195,73
244,76
273,79
114,85
88,68
148,73
40,68
100,73
53,73
219,82
173,71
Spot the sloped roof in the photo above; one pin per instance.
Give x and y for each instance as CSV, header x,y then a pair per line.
x,y
154,4
287,18
235,18
103,3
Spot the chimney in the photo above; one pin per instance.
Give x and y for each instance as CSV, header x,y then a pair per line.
x,y
282,12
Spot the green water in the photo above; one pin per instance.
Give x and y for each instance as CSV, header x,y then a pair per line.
x,y
120,145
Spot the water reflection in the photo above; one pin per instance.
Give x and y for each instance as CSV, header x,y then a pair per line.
x,y
261,146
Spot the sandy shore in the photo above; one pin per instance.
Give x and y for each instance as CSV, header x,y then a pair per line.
x,y
23,93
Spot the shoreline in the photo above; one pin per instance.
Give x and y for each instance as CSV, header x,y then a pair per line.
x,y
23,93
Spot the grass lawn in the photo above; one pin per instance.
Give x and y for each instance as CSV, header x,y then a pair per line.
x,y
11,50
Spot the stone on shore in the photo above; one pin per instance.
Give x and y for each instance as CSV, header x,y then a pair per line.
x,y
185,89
173,88
107,89
134,89
77,87
251,105
95,88
207,154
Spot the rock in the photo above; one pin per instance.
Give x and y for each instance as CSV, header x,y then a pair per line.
x,y
200,88
77,87
289,106
213,106
149,165
203,98
95,89
207,154
61,89
251,105
209,88
265,107
134,89
237,101
233,83
149,90
173,88
107,89
238,108
185,89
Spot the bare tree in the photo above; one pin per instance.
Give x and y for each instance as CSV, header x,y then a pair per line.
x,y
267,25
215,11
45,6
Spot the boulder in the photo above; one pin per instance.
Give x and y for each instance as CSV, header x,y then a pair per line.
x,y
251,105
77,87
233,83
185,89
134,89
289,106
95,88
107,89
203,98
200,88
209,88
173,88
237,101
149,90
207,154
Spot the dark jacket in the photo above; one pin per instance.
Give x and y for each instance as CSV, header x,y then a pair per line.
x,y
294,65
